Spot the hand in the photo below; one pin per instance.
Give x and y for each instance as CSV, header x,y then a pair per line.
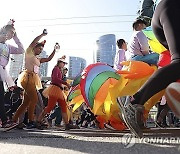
x,y
66,88
11,22
57,47
44,32
68,85
15,35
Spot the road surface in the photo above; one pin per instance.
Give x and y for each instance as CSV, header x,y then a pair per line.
x,y
92,141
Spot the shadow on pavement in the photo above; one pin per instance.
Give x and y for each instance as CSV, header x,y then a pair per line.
x,y
90,141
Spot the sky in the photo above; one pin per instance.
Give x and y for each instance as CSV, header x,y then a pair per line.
x,y
74,24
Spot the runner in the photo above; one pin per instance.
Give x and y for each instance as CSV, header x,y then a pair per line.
x,y
166,28
55,94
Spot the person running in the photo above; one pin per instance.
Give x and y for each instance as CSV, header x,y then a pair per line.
x,y
120,54
29,79
55,94
56,114
6,33
166,29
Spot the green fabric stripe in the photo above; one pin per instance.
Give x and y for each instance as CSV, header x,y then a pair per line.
x,y
70,97
97,83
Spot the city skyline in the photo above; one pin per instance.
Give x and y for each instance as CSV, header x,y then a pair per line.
x,y
75,24
105,53
76,66
106,49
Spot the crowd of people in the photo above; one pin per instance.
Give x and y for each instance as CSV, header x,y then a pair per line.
x,y
28,103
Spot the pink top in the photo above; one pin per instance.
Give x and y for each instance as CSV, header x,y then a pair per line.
x,y
57,77
119,57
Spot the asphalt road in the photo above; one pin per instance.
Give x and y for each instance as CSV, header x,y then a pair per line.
x,y
92,141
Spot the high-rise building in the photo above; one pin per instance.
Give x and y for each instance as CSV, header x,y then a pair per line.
x,y
44,66
76,66
106,49
16,65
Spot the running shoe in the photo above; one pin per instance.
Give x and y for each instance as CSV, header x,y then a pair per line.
x,y
122,102
31,125
9,125
21,126
130,115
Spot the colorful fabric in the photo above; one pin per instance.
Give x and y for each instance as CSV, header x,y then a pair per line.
x,y
164,58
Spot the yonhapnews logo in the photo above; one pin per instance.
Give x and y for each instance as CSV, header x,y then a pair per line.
x,y
129,140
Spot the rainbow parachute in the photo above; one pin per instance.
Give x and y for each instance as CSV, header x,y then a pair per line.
x,y
99,85
154,44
